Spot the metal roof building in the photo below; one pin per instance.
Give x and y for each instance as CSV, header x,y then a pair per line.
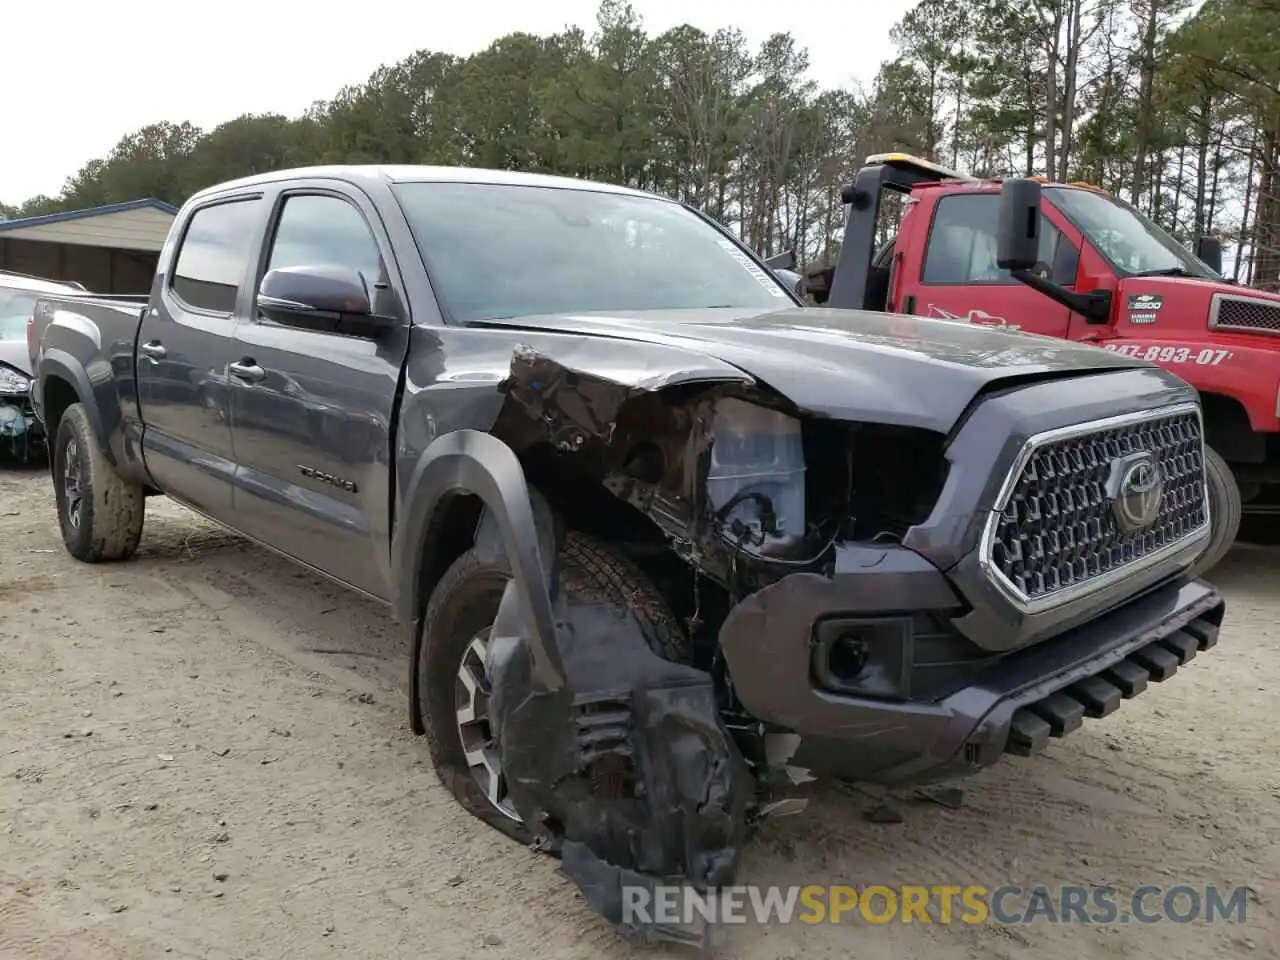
x,y
109,249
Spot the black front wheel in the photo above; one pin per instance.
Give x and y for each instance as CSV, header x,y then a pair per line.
x,y
100,514
1225,508
453,690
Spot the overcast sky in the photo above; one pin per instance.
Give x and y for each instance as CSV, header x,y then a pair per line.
x,y
80,74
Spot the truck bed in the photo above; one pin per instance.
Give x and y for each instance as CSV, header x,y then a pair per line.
x,y
74,333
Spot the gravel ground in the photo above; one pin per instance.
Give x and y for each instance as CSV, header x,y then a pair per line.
x,y
204,755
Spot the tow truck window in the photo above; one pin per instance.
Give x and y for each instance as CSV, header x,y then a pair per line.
x,y
321,230
215,254
962,244
503,250
1131,243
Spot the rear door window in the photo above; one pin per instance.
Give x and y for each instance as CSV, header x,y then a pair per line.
x,y
214,257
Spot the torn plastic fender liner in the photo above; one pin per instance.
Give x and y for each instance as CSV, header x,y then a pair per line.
x,y
559,391
468,461
627,768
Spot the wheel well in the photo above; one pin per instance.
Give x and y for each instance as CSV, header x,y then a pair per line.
x,y
449,535
1228,430
56,394
571,493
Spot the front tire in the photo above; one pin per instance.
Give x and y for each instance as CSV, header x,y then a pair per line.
x,y
452,688
1225,509
99,513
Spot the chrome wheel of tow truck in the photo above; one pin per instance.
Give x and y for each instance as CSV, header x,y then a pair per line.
x,y
475,733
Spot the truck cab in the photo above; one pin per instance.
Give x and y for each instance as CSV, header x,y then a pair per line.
x,y
1099,272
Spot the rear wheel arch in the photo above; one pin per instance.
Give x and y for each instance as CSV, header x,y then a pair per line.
x,y
64,382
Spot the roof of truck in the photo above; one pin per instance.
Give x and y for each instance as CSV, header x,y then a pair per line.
x,y
407,173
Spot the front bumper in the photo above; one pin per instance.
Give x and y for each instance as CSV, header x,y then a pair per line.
x,y
1010,703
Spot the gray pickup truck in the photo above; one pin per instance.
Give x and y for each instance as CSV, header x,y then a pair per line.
x,y
665,541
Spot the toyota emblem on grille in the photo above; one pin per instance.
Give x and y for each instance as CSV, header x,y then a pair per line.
x,y
1135,488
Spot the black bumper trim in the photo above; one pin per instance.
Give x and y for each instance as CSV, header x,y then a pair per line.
x,y
766,642
1031,726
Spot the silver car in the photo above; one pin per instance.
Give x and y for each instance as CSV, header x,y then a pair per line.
x,y
21,435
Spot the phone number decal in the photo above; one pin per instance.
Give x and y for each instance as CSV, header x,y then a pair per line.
x,y
1205,357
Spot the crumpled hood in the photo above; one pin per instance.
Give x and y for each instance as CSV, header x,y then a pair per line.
x,y
13,353
849,364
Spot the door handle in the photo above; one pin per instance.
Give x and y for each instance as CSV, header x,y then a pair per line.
x,y
154,350
247,371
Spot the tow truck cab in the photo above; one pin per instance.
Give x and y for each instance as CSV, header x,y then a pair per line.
x,y
1069,260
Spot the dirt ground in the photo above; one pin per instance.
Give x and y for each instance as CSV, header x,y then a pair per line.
x,y
203,754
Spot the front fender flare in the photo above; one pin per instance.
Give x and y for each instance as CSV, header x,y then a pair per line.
x,y
472,462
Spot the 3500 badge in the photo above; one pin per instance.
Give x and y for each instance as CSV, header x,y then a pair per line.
x,y
1206,357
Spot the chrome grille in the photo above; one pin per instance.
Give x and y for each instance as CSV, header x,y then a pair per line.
x,y
1229,312
1057,529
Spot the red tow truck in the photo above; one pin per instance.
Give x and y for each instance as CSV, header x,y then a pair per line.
x,y
1073,262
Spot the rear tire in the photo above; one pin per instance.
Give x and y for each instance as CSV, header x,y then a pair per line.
x,y
1225,508
460,613
100,514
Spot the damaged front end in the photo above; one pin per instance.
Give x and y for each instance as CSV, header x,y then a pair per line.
x,y
626,770
637,770
21,434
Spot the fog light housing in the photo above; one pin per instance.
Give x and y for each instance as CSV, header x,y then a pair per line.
x,y
864,657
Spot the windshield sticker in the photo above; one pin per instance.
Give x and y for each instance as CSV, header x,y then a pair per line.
x,y
1204,357
761,277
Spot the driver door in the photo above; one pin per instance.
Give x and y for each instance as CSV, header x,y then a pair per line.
x,y
959,279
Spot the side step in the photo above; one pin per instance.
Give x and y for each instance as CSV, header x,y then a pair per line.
x,y
1064,711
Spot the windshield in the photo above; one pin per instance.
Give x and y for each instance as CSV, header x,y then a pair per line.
x,y
15,309
500,250
1131,243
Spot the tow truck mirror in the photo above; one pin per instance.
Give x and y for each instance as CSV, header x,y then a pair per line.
x,y
1209,250
1018,230
782,261
320,297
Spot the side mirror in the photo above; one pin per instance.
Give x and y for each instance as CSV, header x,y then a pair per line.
x,y
1018,251
791,280
1209,250
320,297
1018,232
782,261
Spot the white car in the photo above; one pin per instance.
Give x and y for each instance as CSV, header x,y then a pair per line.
x,y
21,434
